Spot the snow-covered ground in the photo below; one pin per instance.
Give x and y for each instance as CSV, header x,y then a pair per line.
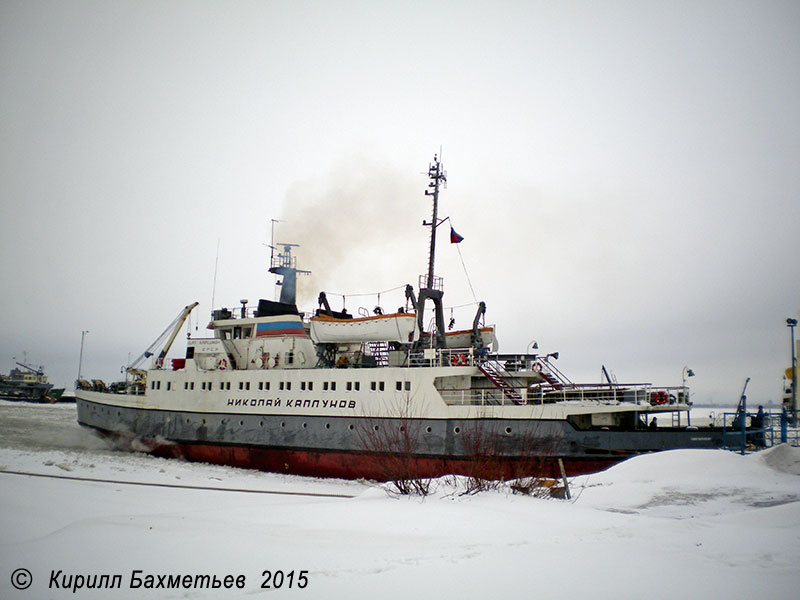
x,y
678,524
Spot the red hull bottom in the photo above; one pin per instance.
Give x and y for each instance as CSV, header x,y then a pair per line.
x,y
379,467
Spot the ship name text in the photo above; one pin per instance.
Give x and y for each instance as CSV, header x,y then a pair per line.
x,y
276,402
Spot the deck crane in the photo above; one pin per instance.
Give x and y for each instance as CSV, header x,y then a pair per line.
x,y
170,333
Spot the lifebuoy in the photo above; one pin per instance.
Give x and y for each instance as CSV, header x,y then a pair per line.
x,y
458,360
159,363
658,398
536,367
223,364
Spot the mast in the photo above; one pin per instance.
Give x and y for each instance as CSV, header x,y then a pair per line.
x,y
431,287
284,264
437,176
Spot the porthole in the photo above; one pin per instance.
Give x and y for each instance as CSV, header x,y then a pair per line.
x,y
350,427
457,430
241,422
327,425
402,427
428,429
376,428
305,425
283,423
508,429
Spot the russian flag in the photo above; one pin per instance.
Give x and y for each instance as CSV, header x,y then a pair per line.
x,y
454,237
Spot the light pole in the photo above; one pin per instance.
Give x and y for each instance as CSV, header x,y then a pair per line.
x,y
687,372
791,324
80,360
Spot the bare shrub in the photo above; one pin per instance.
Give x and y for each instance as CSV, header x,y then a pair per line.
x,y
395,443
523,463
489,458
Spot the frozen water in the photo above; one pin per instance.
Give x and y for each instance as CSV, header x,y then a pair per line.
x,y
685,523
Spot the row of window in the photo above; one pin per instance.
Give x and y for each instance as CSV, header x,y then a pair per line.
x,y
375,386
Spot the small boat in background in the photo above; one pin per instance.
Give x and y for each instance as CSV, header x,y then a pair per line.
x,y
29,385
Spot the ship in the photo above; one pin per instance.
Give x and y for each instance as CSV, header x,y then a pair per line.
x,y
28,384
377,395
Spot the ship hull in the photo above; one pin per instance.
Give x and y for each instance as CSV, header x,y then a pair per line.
x,y
374,466
355,447
27,393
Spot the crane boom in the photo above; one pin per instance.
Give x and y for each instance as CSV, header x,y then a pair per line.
x,y
179,321
171,331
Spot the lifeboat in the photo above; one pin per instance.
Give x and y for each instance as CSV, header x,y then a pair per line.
x,y
397,327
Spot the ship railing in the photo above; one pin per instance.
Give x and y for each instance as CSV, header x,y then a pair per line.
x,y
643,395
442,357
475,397
510,363
437,283
773,430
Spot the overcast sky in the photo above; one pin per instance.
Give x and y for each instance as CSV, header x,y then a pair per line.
x,y
626,175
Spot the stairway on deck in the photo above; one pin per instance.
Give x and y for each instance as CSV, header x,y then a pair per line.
x,y
491,373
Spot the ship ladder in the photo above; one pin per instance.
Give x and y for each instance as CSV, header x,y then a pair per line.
x,y
491,373
549,378
550,374
380,350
